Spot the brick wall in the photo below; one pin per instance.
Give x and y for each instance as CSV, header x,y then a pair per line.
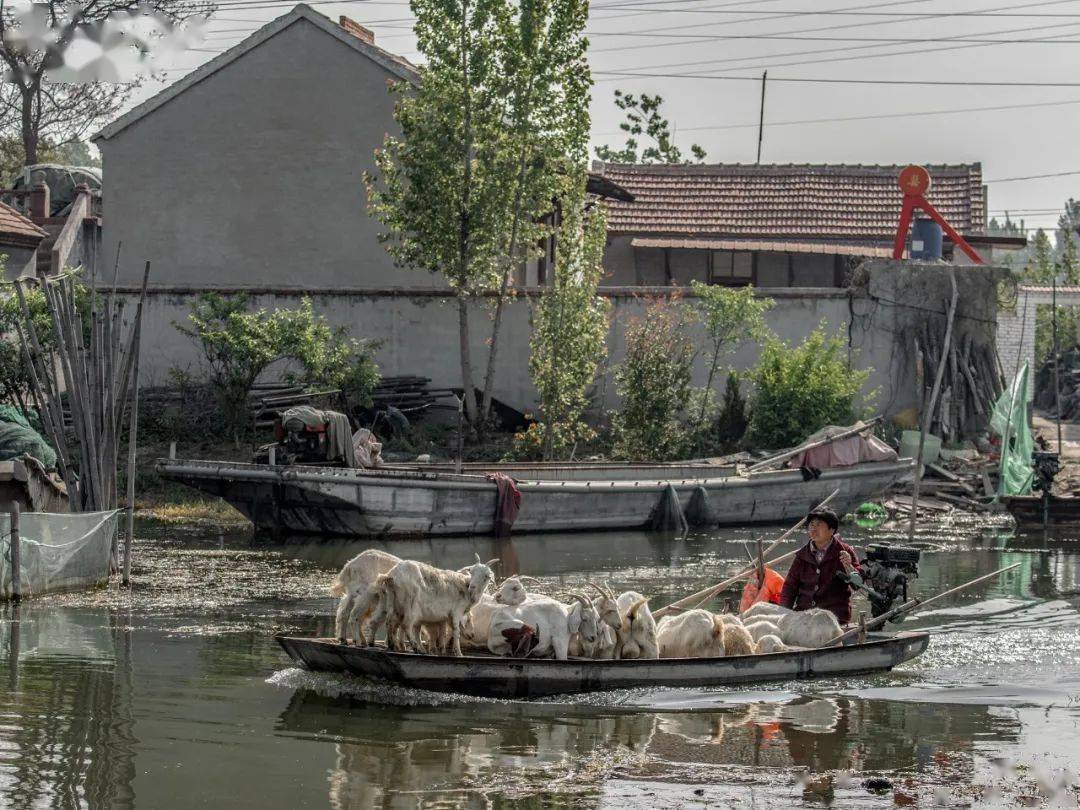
x,y
1016,328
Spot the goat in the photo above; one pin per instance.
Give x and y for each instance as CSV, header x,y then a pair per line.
x,y
416,594
543,627
809,628
764,610
352,584
694,634
737,639
510,592
770,644
762,627
637,631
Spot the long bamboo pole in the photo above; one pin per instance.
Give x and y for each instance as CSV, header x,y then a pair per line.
x,y
915,604
929,410
708,593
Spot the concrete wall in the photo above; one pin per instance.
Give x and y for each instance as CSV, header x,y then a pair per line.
x,y
20,262
418,332
253,176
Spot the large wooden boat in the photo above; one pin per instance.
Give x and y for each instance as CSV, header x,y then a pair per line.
x,y
399,502
492,676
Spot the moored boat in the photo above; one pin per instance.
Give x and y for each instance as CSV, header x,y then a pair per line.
x,y
403,502
492,676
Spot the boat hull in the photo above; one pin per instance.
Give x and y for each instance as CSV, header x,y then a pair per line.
x,y
491,676
388,503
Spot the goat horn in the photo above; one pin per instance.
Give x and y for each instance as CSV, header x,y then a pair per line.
x,y
526,578
586,601
599,590
477,557
634,608
491,563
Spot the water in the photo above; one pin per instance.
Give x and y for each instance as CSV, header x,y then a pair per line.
x,y
175,695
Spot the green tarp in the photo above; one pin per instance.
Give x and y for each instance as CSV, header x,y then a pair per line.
x,y
1010,421
17,438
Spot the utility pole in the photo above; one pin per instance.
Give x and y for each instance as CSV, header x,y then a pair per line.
x,y
1057,380
761,116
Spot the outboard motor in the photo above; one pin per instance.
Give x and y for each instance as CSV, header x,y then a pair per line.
x,y
886,570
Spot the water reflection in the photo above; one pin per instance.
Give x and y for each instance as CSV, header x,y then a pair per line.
x,y
73,676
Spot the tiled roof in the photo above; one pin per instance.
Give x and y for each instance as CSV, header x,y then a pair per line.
x,y
16,228
771,245
829,202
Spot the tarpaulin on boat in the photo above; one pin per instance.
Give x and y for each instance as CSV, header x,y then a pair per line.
x,y
843,452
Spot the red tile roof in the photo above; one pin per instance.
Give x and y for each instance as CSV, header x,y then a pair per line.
x,y
827,202
17,229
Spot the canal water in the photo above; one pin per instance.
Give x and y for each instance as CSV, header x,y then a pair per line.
x,y
174,695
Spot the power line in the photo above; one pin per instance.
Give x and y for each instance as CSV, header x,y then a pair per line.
x,y
934,15
897,82
1034,177
875,117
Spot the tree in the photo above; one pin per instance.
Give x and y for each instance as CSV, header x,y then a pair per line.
x,y
569,330
441,187
1040,268
643,117
730,315
547,79
1006,227
46,101
654,383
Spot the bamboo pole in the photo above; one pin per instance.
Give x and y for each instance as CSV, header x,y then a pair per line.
x,y
16,553
929,409
915,604
132,434
708,593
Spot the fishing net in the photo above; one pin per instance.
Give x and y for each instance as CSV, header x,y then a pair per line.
x,y
1009,421
58,552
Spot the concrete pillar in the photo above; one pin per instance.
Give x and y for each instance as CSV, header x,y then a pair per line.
x,y
37,204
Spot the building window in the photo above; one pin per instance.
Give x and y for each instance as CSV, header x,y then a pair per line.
x,y
731,268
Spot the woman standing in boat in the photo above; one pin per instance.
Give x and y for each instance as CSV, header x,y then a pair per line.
x,y
811,581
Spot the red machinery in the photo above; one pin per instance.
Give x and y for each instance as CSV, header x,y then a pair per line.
x,y
914,181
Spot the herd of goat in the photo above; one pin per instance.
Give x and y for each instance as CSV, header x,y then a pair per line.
x,y
434,610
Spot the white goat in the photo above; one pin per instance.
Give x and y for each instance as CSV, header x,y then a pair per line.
x,y
770,644
511,592
543,627
809,628
764,610
416,595
637,632
352,584
762,627
737,639
694,634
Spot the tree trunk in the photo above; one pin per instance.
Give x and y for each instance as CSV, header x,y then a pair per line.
x,y
29,131
468,389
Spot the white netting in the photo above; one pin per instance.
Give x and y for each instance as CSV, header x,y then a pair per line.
x,y
58,552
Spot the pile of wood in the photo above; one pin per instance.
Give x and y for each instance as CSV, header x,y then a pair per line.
x,y
972,382
409,394
968,485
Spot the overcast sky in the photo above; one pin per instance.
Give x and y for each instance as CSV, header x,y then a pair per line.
x,y
904,40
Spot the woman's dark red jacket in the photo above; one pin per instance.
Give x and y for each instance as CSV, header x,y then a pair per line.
x,y
808,585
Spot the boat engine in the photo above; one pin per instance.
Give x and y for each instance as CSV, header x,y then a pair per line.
x,y
886,570
300,441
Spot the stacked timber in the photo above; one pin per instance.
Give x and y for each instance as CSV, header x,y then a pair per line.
x,y
971,384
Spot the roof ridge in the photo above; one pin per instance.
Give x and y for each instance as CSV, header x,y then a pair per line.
x,y
393,63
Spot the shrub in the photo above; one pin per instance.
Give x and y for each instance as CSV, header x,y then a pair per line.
x,y
731,423
800,389
654,383
239,345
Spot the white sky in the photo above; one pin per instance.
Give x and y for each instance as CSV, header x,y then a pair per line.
x,y
662,36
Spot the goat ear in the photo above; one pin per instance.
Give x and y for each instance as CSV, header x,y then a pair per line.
x,y
574,621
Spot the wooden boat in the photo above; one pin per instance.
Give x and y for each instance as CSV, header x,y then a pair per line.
x,y
1037,510
401,502
492,676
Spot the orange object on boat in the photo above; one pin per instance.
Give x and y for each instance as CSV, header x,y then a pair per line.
x,y
751,595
